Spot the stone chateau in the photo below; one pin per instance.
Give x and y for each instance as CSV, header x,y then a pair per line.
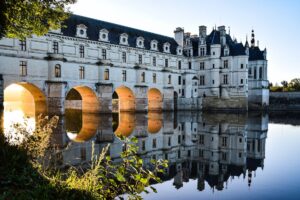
x,y
103,67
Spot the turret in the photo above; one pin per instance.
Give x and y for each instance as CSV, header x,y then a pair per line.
x,y
179,36
222,35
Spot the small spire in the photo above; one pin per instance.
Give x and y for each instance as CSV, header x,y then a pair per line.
x,y
229,30
252,39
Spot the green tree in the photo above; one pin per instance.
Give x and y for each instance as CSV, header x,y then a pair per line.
x,y
295,84
284,84
23,18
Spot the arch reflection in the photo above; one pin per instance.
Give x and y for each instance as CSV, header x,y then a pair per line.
x,y
155,122
123,123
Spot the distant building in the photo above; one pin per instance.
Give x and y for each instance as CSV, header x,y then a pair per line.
x,y
103,67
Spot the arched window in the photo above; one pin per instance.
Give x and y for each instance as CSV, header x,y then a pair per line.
x,y
169,79
260,73
106,74
57,71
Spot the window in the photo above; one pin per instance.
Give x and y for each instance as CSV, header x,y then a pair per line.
x,y
23,68
143,77
225,64
202,51
201,153
169,141
106,74
242,81
224,141
214,53
260,73
143,145
179,64
154,77
179,139
202,80
183,82
140,59
224,156
124,57
242,66
103,36
104,54
154,143
202,64
190,65
255,73
249,71
213,66
182,94
213,81
154,61
23,45
169,79
55,47
81,72
201,139
225,79
179,80
124,75
166,62
179,154
81,51
57,71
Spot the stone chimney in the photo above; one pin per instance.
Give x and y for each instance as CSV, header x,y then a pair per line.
x,y
202,31
179,36
222,31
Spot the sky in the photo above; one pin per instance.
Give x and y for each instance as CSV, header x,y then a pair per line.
x,y
276,23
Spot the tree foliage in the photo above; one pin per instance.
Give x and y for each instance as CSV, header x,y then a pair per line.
x,y
23,18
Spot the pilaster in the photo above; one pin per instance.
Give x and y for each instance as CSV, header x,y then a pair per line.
x,y
56,93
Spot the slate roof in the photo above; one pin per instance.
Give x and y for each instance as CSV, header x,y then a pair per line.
x,y
115,30
256,54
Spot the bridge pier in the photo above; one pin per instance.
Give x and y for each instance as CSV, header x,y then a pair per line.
x,y
104,93
141,98
168,99
56,93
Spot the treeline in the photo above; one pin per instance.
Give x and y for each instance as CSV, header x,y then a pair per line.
x,y
292,86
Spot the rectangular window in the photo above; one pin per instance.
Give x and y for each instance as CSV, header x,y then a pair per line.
x,y
201,153
104,54
224,156
242,66
183,82
57,71
124,75
23,68
169,141
23,45
169,79
154,143
179,64
124,57
255,73
55,47
249,71
154,77
143,77
242,81
202,80
81,51
179,80
213,66
224,141
143,145
81,72
154,61
225,64
225,79
182,92
166,63
202,65
202,51
106,74
140,59
201,139
179,139
190,65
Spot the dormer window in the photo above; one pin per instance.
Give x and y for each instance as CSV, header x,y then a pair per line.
x,y
179,50
140,42
103,35
81,31
166,47
226,51
154,45
124,39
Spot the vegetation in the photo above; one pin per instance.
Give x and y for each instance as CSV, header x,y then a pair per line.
x,y
23,175
21,19
292,86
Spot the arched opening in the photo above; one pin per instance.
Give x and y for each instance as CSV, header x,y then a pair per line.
x,y
23,102
82,98
123,99
123,123
80,127
155,100
154,122
175,101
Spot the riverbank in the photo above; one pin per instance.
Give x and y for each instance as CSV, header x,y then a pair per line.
x,y
284,101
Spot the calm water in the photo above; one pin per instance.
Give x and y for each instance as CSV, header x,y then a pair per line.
x,y
211,156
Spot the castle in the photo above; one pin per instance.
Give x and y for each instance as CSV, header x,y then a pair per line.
x,y
99,67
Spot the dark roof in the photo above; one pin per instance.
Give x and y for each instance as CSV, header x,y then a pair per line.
x,y
256,54
115,30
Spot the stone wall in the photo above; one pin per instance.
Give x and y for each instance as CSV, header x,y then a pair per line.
x,y
289,101
215,103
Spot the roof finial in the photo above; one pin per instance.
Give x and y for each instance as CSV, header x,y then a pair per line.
x,y
252,39
229,30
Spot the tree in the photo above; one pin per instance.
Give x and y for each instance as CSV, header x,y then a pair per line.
x,y
295,84
284,84
23,18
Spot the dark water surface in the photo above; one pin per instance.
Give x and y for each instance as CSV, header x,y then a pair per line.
x,y
211,155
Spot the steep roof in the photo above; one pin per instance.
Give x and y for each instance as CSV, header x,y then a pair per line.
x,y
115,30
256,54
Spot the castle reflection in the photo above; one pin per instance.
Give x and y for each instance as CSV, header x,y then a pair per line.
x,y
211,148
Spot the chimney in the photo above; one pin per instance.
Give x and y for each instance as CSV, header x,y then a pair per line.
x,y
222,31
179,35
202,31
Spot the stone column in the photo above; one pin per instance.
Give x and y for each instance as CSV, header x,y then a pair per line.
x,y
56,93
104,93
168,98
141,98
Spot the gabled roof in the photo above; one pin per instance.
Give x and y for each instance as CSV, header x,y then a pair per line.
x,y
115,30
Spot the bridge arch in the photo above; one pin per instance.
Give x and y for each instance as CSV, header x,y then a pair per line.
x,y
82,98
123,123
155,100
123,99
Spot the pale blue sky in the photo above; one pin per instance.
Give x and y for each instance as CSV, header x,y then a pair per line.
x,y
276,23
